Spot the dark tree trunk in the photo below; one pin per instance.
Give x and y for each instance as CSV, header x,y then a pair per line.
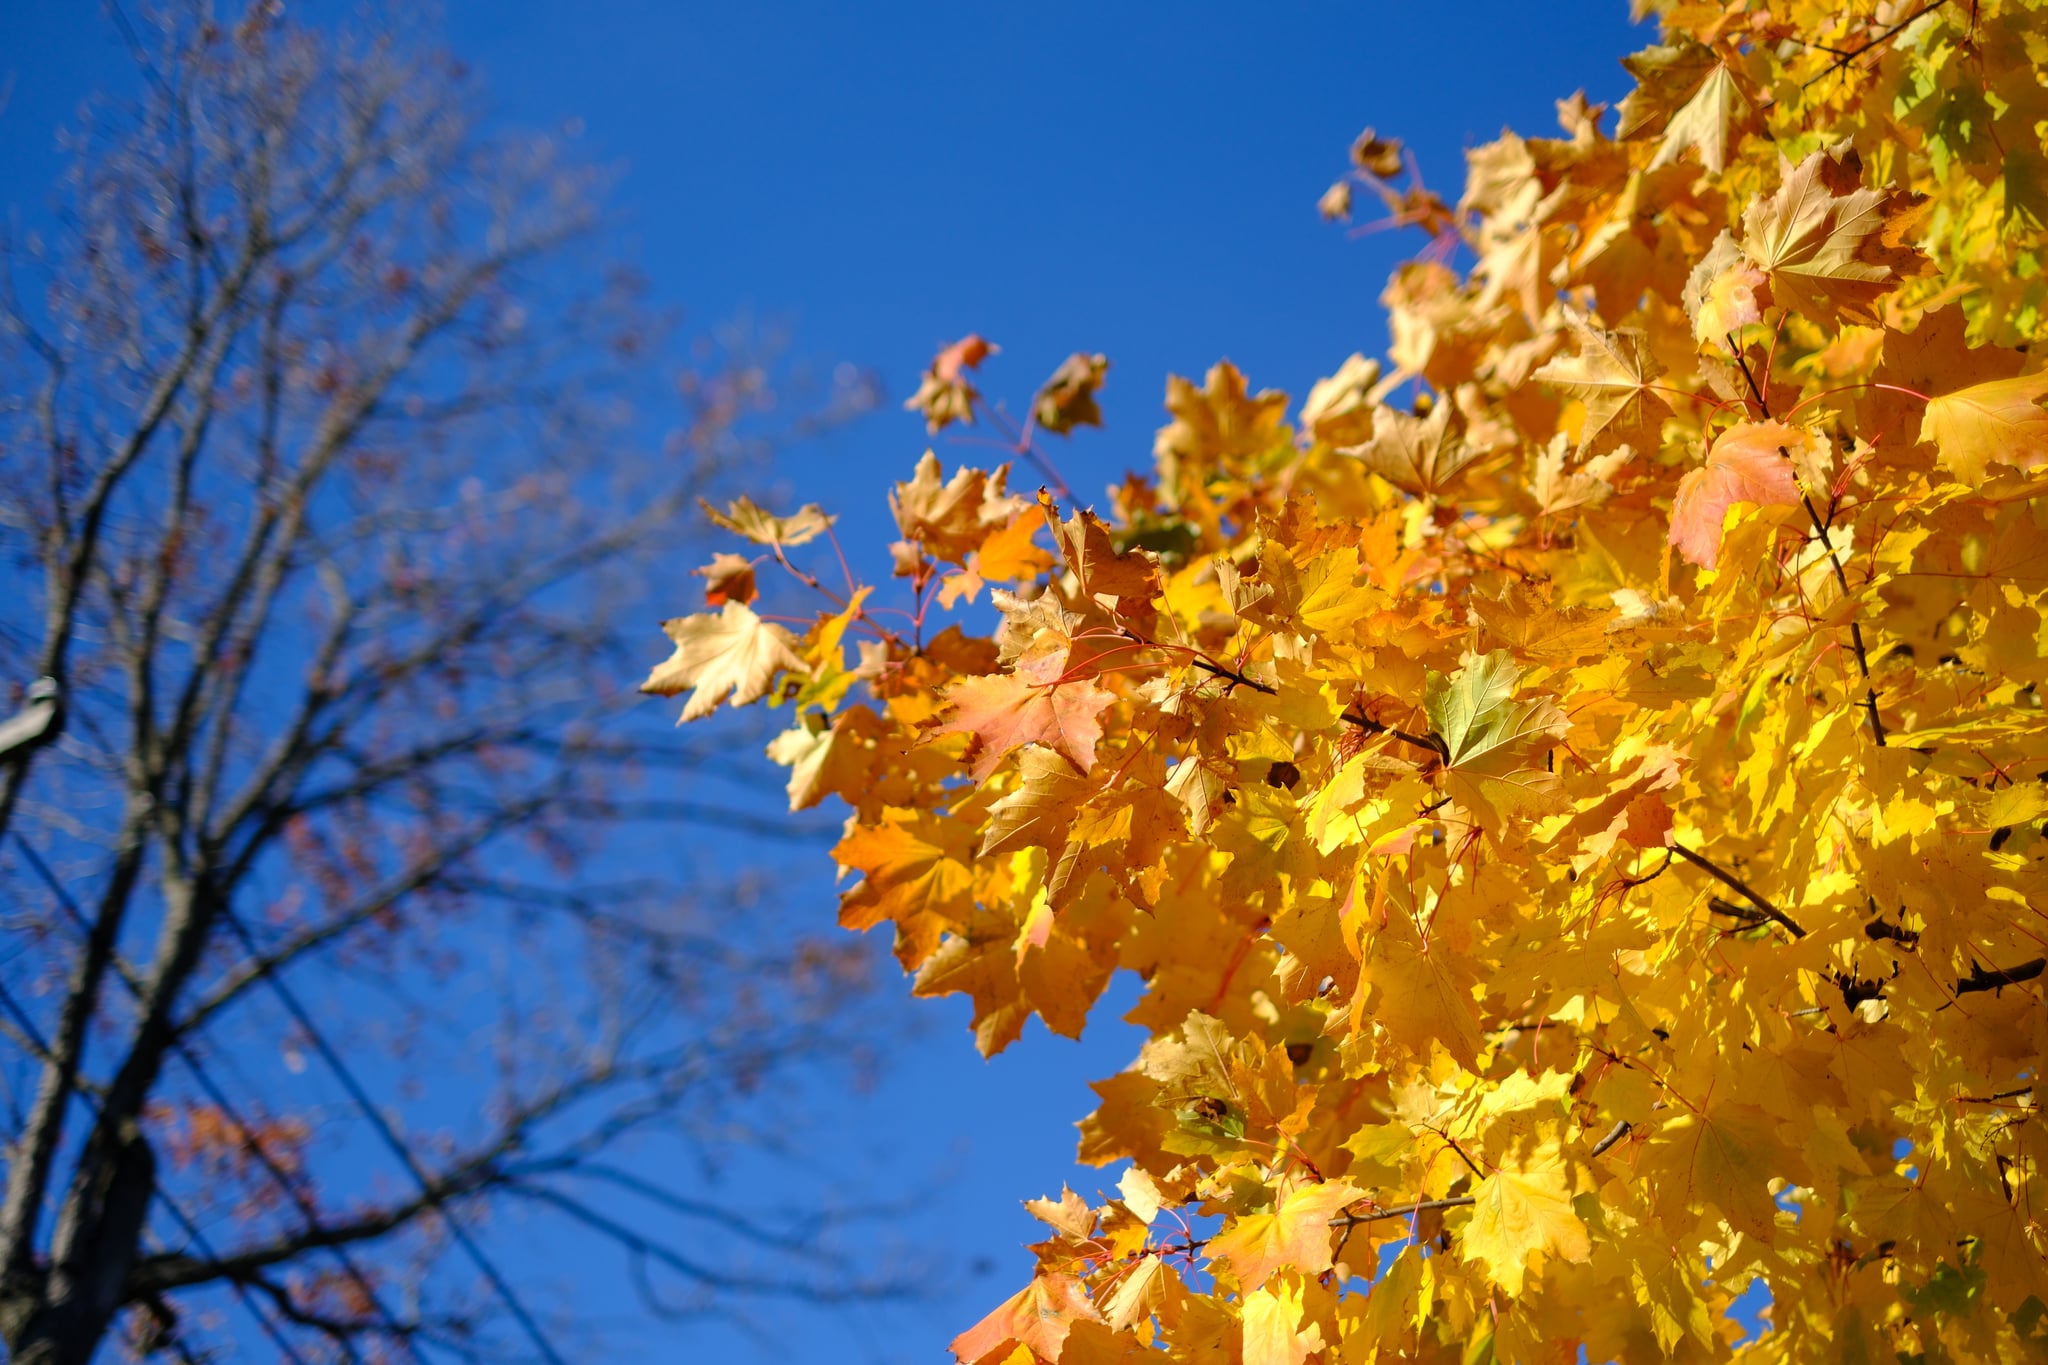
x,y
66,1313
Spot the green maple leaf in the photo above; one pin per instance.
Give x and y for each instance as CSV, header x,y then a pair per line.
x,y
1488,739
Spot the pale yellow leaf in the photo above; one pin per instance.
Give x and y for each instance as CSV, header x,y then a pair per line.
x,y
2003,420
733,652
1520,1212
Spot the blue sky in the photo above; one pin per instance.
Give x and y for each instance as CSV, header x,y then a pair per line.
x,y
1133,179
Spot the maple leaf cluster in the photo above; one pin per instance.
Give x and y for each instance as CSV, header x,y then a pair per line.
x,y
1574,798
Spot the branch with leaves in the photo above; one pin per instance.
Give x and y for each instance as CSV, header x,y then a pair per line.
x,y
1691,521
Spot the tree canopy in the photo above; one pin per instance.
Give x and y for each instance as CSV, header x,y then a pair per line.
x,y
1573,792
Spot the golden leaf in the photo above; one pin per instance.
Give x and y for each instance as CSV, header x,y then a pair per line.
x,y
1489,739
1830,248
952,518
1038,1318
744,518
2004,420
1419,455
1295,1235
1611,375
1523,1211
734,652
1067,400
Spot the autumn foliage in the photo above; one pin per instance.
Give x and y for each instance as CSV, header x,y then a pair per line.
x,y
1573,795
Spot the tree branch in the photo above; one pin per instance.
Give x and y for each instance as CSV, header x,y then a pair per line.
x,y
1346,1220
1736,884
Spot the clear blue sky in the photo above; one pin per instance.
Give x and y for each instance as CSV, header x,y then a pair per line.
x,y
1133,179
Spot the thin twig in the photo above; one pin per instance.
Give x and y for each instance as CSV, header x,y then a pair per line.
x,y
1820,528
1748,918
1236,678
1431,742
1999,1098
1630,883
1346,1220
1763,407
1878,41
382,1126
1735,883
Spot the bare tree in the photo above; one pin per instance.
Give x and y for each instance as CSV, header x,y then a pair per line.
x,y
319,491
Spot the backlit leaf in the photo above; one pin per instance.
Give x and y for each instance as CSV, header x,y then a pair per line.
x,y
2005,420
1748,463
1295,1235
734,654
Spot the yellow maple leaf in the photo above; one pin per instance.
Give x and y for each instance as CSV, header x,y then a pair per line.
x,y
1489,739
1141,1193
1039,809
1272,1326
1338,411
1419,995
1725,1156
1523,1211
743,517
1725,292
1831,248
1687,97
951,518
1150,1287
1222,422
1069,1213
1333,596
1220,428
1296,1234
2004,420
1400,1303
827,755
978,959
734,652
1706,122
1611,376
1419,455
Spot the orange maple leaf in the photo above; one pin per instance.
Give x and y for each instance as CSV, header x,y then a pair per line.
x,y
1006,556
1099,570
1296,1233
944,395
1747,464
1037,1318
915,873
1003,712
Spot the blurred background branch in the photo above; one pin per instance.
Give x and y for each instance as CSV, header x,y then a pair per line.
x,y
325,470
